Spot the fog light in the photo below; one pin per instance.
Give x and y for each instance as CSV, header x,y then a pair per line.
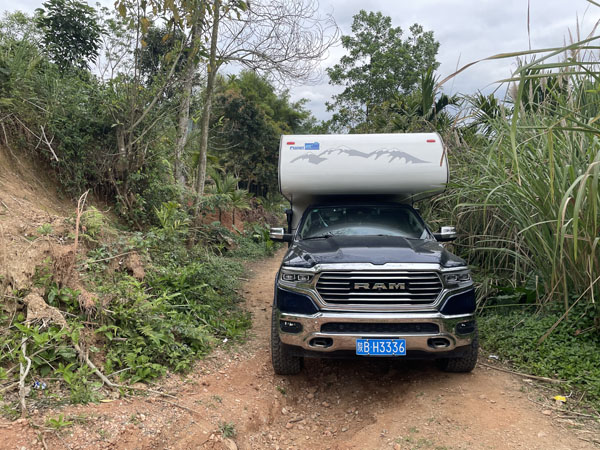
x,y
290,327
465,327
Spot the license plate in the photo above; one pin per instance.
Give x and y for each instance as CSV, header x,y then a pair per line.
x,y
381,347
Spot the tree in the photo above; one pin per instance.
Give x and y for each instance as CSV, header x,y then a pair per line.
x,y
227,193
71,33
283,39
140,103
379,65
247,143
250,116
159,42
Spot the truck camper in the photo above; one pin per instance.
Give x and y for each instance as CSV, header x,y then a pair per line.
x,y
363,274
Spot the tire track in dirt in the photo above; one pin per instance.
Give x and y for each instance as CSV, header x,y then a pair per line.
x,y
353,404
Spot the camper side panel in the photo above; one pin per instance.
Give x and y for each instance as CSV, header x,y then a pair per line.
x,y
384,164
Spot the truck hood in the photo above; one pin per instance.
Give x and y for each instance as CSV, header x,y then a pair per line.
x,y
368,249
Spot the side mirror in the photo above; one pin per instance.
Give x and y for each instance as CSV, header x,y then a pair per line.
x,y
446,234
277,234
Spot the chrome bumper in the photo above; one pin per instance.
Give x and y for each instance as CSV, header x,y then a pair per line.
x,y
311,329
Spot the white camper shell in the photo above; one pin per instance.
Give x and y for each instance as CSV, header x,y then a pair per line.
x,y
402,167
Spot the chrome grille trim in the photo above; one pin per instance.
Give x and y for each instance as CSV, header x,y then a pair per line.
x,y
336,288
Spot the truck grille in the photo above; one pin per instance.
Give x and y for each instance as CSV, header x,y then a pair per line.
x,y
383,288
394,328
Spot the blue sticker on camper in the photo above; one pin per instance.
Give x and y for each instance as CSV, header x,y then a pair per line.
x,y
307,146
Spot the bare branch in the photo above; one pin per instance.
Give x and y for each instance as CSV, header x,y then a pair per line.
x,y
280,39
24,371
48,143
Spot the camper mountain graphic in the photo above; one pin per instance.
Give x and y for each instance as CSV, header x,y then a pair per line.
x,y
392,154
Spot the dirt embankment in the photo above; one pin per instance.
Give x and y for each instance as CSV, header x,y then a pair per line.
x,y
361,404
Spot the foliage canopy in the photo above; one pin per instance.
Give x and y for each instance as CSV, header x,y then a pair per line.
x,y
380,64
71,33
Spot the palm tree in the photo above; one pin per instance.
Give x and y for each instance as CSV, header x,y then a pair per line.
x,y
240,199
423,109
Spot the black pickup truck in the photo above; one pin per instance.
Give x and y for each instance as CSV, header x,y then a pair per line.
x,y
371,279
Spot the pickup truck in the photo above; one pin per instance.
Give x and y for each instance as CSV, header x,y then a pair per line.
x,y
364,276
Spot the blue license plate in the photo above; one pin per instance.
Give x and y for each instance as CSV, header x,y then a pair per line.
x,y
381,347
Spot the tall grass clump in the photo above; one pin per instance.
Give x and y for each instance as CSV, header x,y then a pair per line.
x,y
526,194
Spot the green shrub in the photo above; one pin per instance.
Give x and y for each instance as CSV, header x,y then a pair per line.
x,y
254,243
92,222
178,314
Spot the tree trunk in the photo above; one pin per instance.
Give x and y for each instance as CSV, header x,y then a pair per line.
x,y
206,108
184,111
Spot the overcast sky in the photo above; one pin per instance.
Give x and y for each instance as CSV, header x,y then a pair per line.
x,y
466,29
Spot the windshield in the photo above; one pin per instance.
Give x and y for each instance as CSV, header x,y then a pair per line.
x,y
362,221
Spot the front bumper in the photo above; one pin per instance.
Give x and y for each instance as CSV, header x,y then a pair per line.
x,y
312,338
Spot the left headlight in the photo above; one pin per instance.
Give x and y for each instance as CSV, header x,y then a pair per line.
x,y
458,278
295,277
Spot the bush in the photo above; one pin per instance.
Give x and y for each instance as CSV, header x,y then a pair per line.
x,y
178,314
254,243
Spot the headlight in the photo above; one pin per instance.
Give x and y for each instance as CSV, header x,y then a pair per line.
x,y
459,278
293,277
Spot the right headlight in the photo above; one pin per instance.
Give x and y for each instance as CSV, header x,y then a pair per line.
x,y
295,277
457,279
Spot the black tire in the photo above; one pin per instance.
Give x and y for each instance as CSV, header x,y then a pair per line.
x,y
461,364
283,362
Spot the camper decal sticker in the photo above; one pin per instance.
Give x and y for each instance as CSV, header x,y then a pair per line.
x,y
392,155
311,158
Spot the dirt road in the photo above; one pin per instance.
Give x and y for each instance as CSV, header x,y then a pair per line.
x,y
363,404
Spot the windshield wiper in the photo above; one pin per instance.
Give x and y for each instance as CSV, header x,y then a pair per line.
x,y
321,236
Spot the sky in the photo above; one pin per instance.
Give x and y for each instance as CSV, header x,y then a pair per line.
x,y
467,30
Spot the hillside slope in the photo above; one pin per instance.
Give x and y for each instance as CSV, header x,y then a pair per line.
x,y
29,205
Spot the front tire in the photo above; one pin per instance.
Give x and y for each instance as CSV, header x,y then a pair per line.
x,y
461,364
284,363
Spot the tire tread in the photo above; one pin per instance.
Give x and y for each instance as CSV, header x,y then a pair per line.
x,y
283,362
461,364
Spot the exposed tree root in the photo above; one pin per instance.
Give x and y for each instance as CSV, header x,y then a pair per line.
x,y
524,375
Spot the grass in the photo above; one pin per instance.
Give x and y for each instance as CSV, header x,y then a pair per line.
x,y
569,353
227,429
525,187
537,226
187,304
58,423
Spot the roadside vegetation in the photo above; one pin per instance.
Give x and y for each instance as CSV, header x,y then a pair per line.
x,y
131,108
526,199
148,303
